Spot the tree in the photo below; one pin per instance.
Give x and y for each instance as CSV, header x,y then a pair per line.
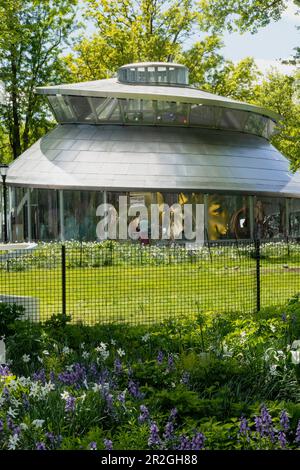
x,y
240,15
130,31
32,35
280,93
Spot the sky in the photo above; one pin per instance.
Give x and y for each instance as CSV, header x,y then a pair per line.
x,y
269,45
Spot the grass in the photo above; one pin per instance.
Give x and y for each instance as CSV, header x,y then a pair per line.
x,y
131,286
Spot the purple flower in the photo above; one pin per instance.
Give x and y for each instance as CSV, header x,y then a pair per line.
x,y
170,361
121,397
282,439
93,445
133,389
109,400
283,317
154,439
244,428
52,376
173,414
197,441
70,404
284,421
160,357
144,416
118,365
40,376
264,424
108,444
1,425
184,443
40,446
297,437
4,371
76,375
169,431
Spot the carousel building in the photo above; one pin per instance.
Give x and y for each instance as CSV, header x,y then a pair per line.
x,y
150,136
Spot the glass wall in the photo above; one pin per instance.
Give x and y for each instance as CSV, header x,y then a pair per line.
x,y
228,217
44,214
80,220
270,217
294,218
106,110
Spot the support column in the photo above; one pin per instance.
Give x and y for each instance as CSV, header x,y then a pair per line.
x,y
251,216
61,215
29,222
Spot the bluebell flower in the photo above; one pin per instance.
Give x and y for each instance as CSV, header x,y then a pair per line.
x,y
297,436
282,439
284,421
40,446
144,416
108,444
160,357
154,439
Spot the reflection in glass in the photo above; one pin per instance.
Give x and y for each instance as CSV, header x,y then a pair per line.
x,y
269,217
227,217
44,214
294,218
80,220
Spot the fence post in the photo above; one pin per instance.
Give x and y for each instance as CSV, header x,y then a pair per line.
x,y
63,279
257,258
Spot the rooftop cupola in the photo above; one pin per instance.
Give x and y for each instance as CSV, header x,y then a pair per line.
x,y
160,73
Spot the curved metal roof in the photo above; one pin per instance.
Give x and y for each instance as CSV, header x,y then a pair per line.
x,y
163,158
113,88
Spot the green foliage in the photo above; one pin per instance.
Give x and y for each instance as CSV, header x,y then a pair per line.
x,y
241,15
9,313
32,37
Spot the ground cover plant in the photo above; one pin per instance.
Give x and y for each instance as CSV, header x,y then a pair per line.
x,y
120,282
215,382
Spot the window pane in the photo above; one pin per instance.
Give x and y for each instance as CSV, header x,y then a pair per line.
x,y
233,119
44,214
203,115
80,220
294,222
171,112
228,217
255,124
82,108
269,217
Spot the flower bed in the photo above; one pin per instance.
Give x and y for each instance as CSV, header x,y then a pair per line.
x,y
214,383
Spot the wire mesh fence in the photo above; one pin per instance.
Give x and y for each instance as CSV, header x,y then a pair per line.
x,y
131,283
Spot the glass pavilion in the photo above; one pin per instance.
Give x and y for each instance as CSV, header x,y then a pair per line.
x,y
151,137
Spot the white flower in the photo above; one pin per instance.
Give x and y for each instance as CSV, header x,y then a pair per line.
x,y
273,328
38,423
23,426
26,358
85,355
120,352
12,413
40,359
45,352
104,355
146,337
103,345
296,344
113,342
66,350
65,395
13,441
295,357
48,387
82,345
97,387
83,397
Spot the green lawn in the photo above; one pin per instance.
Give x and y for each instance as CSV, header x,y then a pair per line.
x,y
137,288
